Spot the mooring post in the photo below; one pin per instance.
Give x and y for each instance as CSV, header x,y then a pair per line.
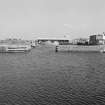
x,y
56,49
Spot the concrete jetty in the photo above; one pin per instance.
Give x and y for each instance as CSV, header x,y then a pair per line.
x,y
81,48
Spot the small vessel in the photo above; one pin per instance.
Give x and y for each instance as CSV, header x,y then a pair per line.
x,y
33,44
15,48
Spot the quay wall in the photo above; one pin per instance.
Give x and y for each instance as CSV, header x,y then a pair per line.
x,y
95,48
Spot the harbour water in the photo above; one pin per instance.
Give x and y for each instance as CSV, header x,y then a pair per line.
x,y
43,77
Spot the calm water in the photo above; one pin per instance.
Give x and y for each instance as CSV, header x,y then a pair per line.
x,y
43,77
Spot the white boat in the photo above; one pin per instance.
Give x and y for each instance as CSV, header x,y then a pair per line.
x,y
15,48
33,44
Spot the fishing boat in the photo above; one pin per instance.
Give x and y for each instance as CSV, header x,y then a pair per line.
x,y
15,48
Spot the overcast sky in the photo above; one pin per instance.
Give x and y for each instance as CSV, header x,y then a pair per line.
x,y
51,18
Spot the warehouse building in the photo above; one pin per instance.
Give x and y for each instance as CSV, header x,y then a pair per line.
x,y
53,40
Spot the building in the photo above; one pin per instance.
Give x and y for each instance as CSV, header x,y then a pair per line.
x,y
15,41
80,41
97,39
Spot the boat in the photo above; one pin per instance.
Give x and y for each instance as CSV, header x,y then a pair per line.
x,y
33,44
15,48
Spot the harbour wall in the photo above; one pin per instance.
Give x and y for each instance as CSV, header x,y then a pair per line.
x,y
81,48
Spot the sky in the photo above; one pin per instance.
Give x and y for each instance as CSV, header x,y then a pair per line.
x,y
31,19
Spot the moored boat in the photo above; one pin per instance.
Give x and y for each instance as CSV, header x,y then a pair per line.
x,y
15,48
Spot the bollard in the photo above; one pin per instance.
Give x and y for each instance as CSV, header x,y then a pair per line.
x,y
56,49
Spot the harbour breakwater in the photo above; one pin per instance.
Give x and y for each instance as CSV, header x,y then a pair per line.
x,y
81,48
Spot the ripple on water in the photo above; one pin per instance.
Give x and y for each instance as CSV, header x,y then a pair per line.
x,y
43,77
